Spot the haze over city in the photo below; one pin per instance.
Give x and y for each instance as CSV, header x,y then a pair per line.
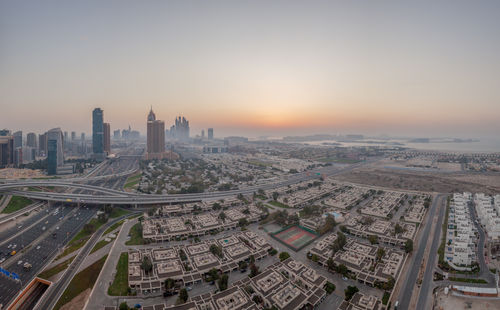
x,y
249,155
254,68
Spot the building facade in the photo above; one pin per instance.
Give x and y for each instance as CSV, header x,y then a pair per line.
x,y
55,157
107,138
98,133
6,151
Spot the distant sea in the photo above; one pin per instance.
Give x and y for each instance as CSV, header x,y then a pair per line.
x,y
481,146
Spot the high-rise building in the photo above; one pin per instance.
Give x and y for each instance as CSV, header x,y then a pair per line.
x,y
210,133
31,139
116,134
54,150
98,133
18,139
155,135
6,151
42,144
107,138
82,137
180,130
73,136
4,132
65,137
203,133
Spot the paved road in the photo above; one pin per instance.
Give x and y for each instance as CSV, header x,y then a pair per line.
x,y
50,298
44,246
411,277
425,290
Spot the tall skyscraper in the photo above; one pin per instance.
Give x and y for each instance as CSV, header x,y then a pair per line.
x,y
4,132
203,133
18,139
116,134
54,150
155,136
42,144
107,138
31,139
6,151
98,133
73,136
180,130
210,133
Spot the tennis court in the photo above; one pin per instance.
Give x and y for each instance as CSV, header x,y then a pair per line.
x,y
295,237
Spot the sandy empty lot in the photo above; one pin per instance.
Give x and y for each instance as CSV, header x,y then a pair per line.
x,y
452,302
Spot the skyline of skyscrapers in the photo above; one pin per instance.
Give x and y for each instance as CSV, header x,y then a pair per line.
x,y
180,129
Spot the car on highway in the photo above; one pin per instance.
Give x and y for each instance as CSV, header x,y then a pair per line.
x,y
20,262
38,247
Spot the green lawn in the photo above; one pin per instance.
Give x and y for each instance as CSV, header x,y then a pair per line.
x,y
113,227
83,280
56,269
278,204
467,280
99,245
132,181
16,203
80,239
135,235
117,212
119,287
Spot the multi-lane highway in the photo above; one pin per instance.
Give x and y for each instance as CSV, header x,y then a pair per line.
x,y
40,245
55,291
411,276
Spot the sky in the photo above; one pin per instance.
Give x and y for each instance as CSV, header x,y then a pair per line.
x,y
420,68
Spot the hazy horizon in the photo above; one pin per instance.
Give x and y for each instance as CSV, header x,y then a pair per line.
x,y
257,68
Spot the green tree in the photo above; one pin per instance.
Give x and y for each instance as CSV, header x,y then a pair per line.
x,y
146,264
409,246
213,274
398,229
373,239
350,291
222,215
183,296
222,283
216,250
169,284
254,270
216,206
284,255
330,263
243,222
380,253
123,306
243,265
275,195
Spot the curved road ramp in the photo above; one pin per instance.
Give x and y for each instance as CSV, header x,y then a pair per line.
x,y
30,296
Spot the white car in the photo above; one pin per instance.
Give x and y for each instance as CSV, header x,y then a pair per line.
x,y
38,247
2,260
20,262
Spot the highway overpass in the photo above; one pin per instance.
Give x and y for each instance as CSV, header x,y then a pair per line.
x,y
110,196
